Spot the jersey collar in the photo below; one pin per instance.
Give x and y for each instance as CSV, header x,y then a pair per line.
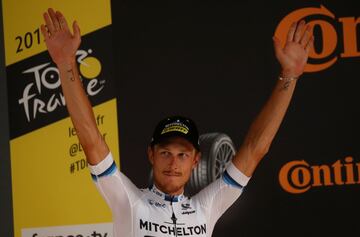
x,y
166,197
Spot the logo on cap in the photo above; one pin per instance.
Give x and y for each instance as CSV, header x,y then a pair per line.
x,y
175,127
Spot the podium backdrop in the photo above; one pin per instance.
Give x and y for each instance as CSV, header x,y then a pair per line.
x,y
214,61
210,60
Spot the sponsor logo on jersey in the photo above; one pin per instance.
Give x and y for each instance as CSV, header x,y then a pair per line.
x,y
185,206
188,212
186,209
156,204
172,230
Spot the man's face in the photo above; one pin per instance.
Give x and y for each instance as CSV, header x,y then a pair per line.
x,y
172,163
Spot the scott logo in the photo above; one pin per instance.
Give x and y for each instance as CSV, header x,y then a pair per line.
x,y
298,176
156,204
325,57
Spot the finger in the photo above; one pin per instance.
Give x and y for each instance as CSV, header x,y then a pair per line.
x,y
277,47
291,32
310,44
54,19
62,21
306,36
44,32
49,24
299,31
76,30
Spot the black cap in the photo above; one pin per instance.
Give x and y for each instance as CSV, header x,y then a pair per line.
x,y
176,126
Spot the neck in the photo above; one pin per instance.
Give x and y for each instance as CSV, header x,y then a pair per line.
x,y
175,193
168,196
171,192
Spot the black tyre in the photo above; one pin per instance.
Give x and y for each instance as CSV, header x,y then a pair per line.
x,y
217,150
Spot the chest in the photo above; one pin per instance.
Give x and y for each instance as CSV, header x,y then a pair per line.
x,y
157,218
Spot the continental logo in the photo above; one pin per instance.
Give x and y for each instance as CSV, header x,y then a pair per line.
x,y
42,94
298,176
175,127
331,47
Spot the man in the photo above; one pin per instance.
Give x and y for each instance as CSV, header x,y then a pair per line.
x,y
162,209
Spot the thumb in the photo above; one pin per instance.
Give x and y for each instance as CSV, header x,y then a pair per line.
x,y
76,30
277,47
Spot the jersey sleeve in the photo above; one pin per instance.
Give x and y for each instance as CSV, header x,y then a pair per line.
x,y
217,197
117,190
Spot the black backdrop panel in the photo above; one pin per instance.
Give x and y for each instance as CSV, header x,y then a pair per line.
x,y
214,61
5,169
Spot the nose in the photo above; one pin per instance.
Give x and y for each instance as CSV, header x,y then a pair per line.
x,y
173,162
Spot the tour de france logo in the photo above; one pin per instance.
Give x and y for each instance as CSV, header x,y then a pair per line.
x,y
90,67
42,95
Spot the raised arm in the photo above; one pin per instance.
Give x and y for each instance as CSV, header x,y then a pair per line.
x,y
62,46
292,58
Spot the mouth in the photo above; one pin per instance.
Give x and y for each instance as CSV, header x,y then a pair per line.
x,y
172,174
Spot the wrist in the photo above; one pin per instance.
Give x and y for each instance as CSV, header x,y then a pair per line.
x,y
67,69
67,63
287,78
289,74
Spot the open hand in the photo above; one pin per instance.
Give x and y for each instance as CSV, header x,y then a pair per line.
x,y
293,56
61,43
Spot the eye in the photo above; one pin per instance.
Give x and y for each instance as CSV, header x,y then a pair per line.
x,y
183,155
165,153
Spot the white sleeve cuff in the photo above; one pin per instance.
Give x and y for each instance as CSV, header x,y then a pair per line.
x,y
237,175
103,166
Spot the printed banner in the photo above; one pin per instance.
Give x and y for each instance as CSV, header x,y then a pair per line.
x,y
94,230
53,193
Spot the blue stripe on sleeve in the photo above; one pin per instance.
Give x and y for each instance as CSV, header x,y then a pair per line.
x,y
107,172
229,180
94,178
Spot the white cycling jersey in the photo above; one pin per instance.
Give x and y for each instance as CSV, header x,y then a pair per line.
x,y
152,213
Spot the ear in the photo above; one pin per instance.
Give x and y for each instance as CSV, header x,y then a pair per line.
x,y
150,153
196,159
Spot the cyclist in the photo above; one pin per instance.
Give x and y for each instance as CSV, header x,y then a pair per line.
x,y
162,209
